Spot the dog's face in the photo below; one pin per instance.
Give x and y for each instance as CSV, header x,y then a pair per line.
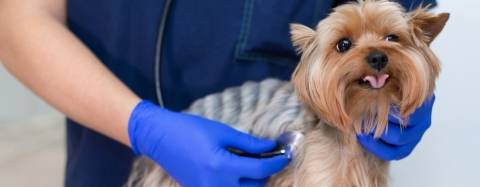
x,y
365,58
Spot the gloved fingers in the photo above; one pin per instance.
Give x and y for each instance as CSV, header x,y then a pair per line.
x,y
256,168
421,116
397,135
246,182
248,143
384,150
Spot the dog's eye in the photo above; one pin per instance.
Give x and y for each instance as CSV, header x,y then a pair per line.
x,y
343,45
392,38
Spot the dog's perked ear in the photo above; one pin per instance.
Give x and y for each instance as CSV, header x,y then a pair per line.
x,y
302,36
427,25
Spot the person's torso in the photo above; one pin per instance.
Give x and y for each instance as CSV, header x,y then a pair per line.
x,y
206,46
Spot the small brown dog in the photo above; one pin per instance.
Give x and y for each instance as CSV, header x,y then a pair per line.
x,y
362,61
364,58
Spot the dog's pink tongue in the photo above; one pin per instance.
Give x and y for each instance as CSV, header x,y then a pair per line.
x,y
376,81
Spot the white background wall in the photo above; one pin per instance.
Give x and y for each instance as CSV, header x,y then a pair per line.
x,y
17,102
449,154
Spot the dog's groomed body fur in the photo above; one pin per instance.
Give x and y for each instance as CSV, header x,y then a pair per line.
x,y
267,109
336,92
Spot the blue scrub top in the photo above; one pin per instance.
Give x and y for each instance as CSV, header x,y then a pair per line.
x,y
201,47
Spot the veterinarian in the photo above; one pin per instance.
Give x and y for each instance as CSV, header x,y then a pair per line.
x,y
121,70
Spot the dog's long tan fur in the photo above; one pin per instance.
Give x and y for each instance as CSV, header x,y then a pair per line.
x,y
325,99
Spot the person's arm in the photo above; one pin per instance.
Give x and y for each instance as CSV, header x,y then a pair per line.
x,y
41,52
38,49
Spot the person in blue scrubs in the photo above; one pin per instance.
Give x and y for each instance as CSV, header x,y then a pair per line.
x,y
122,70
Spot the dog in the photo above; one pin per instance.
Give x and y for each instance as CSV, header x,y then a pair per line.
x,y
365,60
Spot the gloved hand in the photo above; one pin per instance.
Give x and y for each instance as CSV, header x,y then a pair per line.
x,y
397,142
193,150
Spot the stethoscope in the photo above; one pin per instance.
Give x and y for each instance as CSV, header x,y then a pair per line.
x,y
158,51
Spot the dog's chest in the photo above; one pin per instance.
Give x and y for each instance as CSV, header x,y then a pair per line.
x,y
326,157
264,109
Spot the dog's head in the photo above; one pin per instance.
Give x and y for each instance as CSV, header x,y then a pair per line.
x,y
365,58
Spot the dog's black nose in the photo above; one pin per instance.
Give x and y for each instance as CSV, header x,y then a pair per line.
x,y
377,60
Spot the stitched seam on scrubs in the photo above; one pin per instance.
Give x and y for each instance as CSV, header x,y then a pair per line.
x,y
283,61
316,12
242,54
321,6
245,27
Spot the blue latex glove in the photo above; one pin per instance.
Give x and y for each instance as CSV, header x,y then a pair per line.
x,y
193,150
399,142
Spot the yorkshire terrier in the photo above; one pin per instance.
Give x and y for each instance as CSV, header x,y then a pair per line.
x,y
365,60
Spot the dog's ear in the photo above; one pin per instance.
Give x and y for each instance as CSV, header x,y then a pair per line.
x,y
302,36
427,25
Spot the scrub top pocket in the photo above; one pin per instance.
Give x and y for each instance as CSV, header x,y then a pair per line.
x,y
265,33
